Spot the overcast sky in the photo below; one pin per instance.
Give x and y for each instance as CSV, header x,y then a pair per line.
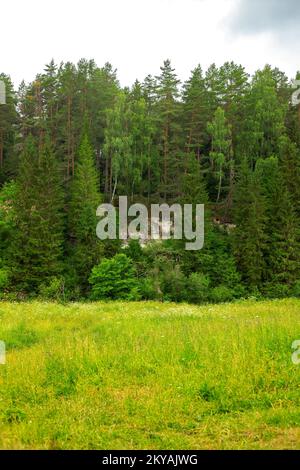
x,y
137,35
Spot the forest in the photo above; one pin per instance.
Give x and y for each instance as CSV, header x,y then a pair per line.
x,y
74,138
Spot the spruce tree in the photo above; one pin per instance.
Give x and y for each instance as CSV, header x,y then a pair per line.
x,y
36,254
84,248
250,233
289,167
282,252
8,121
193,190
195,113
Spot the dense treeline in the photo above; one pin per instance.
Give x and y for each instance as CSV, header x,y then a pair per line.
x,y
74,138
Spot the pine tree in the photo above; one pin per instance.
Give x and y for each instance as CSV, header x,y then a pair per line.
x,y
289,163
153,143
7,220
193,190
67,98
282,252
36,254
249,236
195,113
212,82
167,115
84,248
49,86
8,121
284,257
149,88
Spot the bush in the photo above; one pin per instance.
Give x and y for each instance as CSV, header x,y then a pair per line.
x,y
197,288
150,289
296,289
115,278
173,284
221,294
54,289
134,250
239,291
276,291
4,278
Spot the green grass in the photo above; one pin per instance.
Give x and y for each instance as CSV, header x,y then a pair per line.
x,y
150,376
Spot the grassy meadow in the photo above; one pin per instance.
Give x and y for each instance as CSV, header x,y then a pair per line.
x,y
148,375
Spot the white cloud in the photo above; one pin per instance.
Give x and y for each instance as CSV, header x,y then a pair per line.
x,y
277,16
134,35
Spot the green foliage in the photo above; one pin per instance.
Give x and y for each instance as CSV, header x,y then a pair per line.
x,y
8,127
54,289
173,283
4,278
36,253
118,143
277,291
221,153
221,294
265,114
84,247
149,288
197,288
195,113
283,250
73,137
296,289
193,186
61,376
223,372
20,337
250,234
7,219
167,107
114,279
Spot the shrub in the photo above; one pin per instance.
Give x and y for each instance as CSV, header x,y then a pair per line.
x,y
53,289
197,288
173,284
114,278
4,278
239,291
150,289
134,250
276,291
221,294
296,289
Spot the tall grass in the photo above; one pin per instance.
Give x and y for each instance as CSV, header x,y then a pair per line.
x,y
149,375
